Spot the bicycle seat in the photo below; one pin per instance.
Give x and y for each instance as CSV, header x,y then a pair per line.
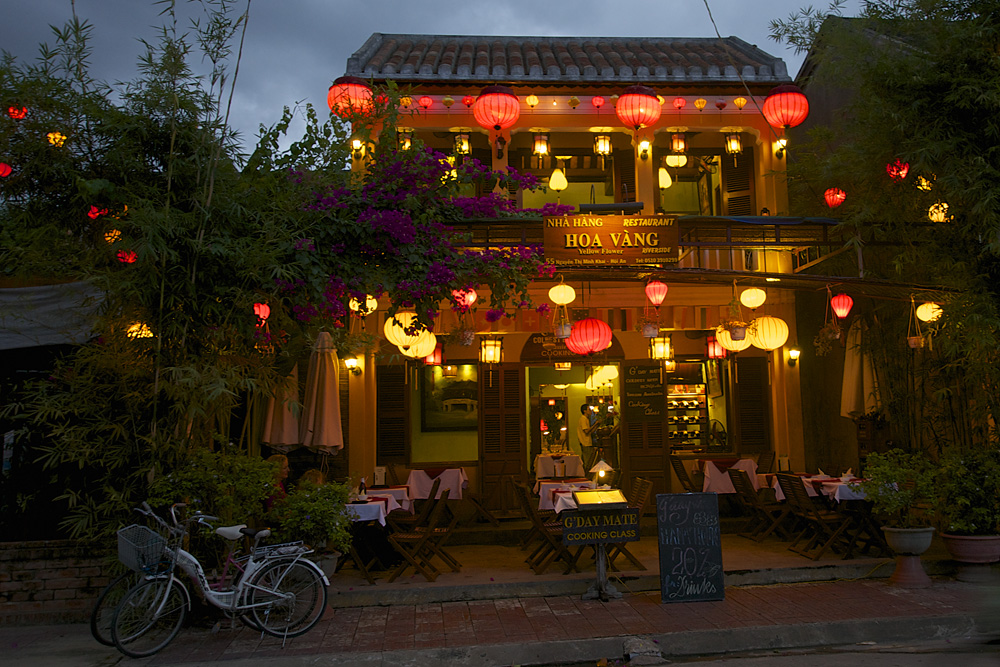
x,y
230,532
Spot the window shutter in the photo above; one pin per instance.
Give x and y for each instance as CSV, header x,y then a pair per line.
x,y
392,435
624,166
501,433
737,184
752,405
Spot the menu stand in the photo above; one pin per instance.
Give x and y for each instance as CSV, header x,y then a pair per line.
x,y
602,515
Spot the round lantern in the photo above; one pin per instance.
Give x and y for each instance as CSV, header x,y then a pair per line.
x,y
725,339
17,113
597,101
929,312
656,292
938,212
786,106
127,256
841,305
349,95
834,197
768,333
588,336
562,294
371,305
680,103
422,347
753,297
897,170
447,101
464,297
638,107
714,349
262,311
468,100
496,108
425,101
395,332
5,170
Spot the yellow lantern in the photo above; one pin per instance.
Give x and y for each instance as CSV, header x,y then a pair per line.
x,y
753,297
676,161
532,101
395,332
557,181
700,103
57,139
138,330
929,312
112,235
768,333
938,212
664,178
602,144
659,348
422,347
740,102
371,305
723,338
562,294
491,350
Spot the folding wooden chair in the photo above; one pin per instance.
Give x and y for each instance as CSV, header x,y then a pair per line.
x,y
765,462
416,546
401,520
682,474
765,518
551,548
637,498
825,526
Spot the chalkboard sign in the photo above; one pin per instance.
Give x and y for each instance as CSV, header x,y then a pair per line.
x,y
687,528
642,393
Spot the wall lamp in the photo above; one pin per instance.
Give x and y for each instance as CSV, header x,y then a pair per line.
x,y
793,355
352,365
644,149
462,144
357,149
501,143
780,146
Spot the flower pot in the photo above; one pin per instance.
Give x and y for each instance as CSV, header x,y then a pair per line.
x,y
916,342
328,562
466,337
908,544
650,330
737,333
973,553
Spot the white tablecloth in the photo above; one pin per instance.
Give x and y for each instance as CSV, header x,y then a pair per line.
x,y
451,478
401,493
558,465
547,499
373,510
717,481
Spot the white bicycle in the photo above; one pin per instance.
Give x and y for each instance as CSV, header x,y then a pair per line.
x,y
279,592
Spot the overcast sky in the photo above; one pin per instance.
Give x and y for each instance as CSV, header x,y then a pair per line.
x,y
295,48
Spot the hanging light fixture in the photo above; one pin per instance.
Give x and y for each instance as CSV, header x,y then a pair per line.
x,y
405,139
464,298
491,349
660,348
423,346
602,144
540,145
425,102
638,107
938,212
463,146
753,297
726,340
435,358
371,305
531,101
734,145
841,305
588,336
786,106
262,311
678,142
557,181
395,329
656,292
713,349
496,108
349,95
834,197
664,178
768,332
676,161
929,312
897,170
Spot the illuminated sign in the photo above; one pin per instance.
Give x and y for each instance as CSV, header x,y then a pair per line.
x,y
611,240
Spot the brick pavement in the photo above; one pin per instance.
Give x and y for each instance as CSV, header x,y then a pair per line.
x,y
458,625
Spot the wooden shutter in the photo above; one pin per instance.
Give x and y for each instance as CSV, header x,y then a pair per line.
x,y
392,434
752,397
644,454
501,433
624,166
737,184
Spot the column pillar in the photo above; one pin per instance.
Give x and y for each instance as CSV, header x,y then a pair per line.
x,y
645,176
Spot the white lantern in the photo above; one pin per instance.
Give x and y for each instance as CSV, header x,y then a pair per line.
x,y
768,333
395,332
371,305
423,346
724,339
929,312
753,297
562,294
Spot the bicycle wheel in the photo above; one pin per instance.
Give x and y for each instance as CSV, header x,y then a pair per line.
x,y
104,609
149,617
293,599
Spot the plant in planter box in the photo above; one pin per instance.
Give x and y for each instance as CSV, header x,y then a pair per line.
x,y
316,514
969,488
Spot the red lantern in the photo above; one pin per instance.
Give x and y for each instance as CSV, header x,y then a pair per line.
x,y
786,106
834,197
464,298
262,311
841,305
714,348
5,170
94,213
17,113
425,101
435,358
127,256
638,107
496,108
680,103
588,336
897,170
468,100
597,101
349,95
656,292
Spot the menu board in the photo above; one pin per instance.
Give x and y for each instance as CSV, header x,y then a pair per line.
x,y
687,529
642,393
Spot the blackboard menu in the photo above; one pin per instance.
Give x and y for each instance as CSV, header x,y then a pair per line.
x,y
642,393
687,528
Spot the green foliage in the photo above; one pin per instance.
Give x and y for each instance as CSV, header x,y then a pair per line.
x,y
969,486
315,514
900,486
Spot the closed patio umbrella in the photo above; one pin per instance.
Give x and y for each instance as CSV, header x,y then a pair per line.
x,y
281,420
319,429
859,393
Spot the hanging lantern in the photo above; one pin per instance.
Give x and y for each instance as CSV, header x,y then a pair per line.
x,y
740,102
841,305
447,101
638,107
468,100
602,144
924,184
678,142
557,181
349,95
127,256
422,347
531,101
371,305
5,170
405,139
734,145
588,336
395,330
938,212
405,101
656,292
449,371
262,311
725,339
462,144
664,178
540,145
573,102
929,312
496,108
753,297
57,139
897,170
138,330
834,197
786,106
597,101
562,294
464,298
425,102
491,350
720,104
768,333
17,113
676,161
713,349
700,103
112,235
660,348
680,103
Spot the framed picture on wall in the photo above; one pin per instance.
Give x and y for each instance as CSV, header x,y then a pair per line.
x,y
449,398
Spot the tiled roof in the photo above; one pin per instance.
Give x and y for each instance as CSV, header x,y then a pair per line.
x,y
442,58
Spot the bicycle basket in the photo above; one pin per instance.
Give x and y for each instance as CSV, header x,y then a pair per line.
x,y
140,548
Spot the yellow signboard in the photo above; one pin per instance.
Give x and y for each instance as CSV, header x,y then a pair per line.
x,y
611,240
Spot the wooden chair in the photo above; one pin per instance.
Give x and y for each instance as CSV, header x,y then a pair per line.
x,y
822,526
401,520
417,546
638,497
765,518
765,462
682,474
551,548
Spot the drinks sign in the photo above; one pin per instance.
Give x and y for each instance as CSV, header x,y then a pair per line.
x,y
611,240
690,547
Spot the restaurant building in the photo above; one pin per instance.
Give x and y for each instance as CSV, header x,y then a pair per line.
x,y
677,179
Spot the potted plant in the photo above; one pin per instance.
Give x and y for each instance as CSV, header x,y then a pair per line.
x,y
317,515
900,485
969,498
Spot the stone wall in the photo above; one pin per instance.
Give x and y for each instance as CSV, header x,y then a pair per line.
x,y
52,581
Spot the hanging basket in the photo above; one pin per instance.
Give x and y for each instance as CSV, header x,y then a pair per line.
x,y
650,330
737,332
915,342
